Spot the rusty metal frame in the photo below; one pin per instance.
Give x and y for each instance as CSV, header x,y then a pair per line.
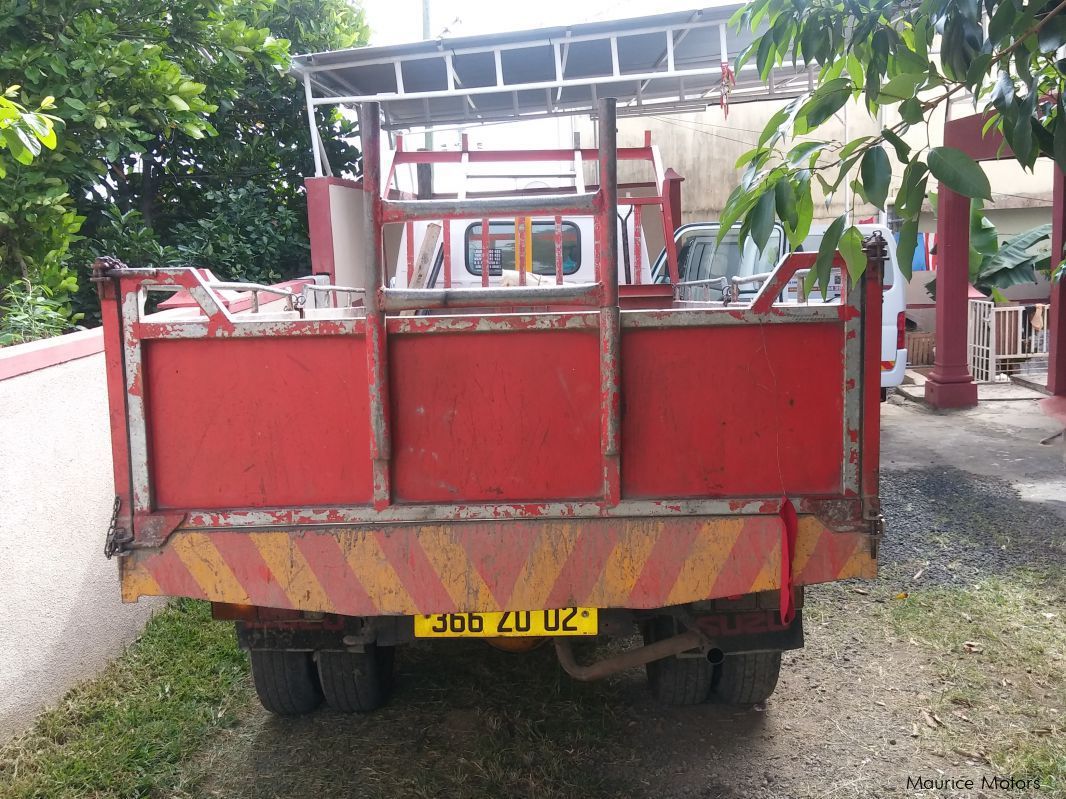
x,y
126,328
836,514
579,202
153,527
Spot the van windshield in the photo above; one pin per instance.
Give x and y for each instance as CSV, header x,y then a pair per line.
x,y
700,257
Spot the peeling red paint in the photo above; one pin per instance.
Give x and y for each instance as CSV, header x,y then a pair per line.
x,y
376,426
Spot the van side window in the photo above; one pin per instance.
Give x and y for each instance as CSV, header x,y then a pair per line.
x,y
502,241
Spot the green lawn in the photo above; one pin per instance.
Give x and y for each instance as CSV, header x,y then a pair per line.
x,y
125,733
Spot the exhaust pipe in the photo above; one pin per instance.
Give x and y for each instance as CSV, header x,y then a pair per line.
x,y
626,660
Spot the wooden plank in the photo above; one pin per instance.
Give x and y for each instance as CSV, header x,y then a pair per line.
x,y
424,259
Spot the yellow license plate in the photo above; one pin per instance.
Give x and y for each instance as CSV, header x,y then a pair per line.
x,y
508,624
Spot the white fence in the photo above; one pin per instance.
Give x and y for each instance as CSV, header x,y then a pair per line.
x,y
1005,339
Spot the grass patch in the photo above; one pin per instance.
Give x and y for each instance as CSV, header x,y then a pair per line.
x,y
999,650
126,733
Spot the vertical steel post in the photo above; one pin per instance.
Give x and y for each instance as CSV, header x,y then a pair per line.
x,y
376,345
637,252
485,253
521,243
610,319
527,262
871,298
309,97
447,224
558,250
111,298
1056,330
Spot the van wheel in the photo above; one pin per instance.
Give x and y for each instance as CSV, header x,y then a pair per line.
x,y
286,682
684,680
747,678
357,682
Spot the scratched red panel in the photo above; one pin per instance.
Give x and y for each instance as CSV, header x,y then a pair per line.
x,y
502,417
732,411
257,422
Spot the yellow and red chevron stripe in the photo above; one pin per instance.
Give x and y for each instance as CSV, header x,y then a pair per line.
x,y
484,566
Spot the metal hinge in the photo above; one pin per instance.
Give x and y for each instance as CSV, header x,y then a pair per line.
x,y
117,541
871,513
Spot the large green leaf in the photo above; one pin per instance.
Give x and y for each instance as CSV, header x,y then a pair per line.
x,y
876,172
905,247
901,87
824,262
959,172
1014,253
804,215
850,247
903,150
911,111
785,202
1018,274
826,100
805,151
762,219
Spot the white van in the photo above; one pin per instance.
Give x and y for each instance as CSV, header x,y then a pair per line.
x,y
893,306
578,251
700,258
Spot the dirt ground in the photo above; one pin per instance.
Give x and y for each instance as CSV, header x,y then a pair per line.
x,y
888,686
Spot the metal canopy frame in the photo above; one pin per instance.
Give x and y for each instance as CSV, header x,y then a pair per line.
x,y
666,63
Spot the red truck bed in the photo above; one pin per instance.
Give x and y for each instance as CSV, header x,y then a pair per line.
x,y
307,456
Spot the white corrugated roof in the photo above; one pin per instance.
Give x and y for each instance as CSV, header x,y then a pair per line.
x,y
653,64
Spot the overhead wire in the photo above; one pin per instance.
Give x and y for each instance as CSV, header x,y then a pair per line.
x,y
683,126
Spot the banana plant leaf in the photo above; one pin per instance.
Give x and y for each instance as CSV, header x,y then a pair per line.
x,y
1014,256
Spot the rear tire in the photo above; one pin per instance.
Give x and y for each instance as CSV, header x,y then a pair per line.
x,y
675,680
286,682
357,682
747,678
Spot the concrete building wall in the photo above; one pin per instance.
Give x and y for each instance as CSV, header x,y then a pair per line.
x,y
62,620
704,147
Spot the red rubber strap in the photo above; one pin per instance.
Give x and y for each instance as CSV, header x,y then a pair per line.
x,y
789,529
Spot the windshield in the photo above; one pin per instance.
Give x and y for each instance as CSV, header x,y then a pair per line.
x,y
701,257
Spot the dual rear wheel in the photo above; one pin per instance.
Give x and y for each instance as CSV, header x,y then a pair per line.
x,y
689,679
293,683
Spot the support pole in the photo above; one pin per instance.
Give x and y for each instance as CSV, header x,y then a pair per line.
x,y
309,95
610,318
950,384
376,346
1056,366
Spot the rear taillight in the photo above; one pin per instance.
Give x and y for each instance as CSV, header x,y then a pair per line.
x,y
901,331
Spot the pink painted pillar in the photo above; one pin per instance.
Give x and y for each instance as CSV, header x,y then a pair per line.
x,y
950,384
1056,367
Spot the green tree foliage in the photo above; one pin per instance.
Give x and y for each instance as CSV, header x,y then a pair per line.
x,y
1003,54
171,112
22,132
